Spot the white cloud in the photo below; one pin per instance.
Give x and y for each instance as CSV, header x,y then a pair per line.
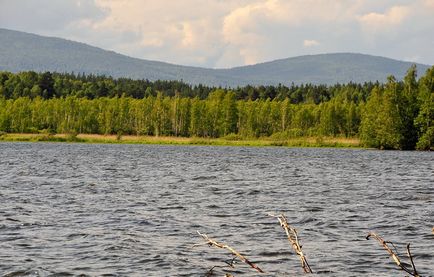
x,y
429,3
374,22
186,32
310,43
258,23
225,33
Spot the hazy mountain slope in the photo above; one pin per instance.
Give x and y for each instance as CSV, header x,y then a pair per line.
x,y
21,51
326,69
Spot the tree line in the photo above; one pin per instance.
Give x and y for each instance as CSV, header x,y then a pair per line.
x,y
56,85
394,115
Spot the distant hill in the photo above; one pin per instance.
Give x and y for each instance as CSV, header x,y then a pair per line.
x,y
21,51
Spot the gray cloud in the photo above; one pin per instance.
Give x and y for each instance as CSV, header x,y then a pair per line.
x,y
215,33
46,16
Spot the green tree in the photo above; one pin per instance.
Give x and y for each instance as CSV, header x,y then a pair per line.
x,y
46,83
197,118
229,114
381,125
424,122
409,109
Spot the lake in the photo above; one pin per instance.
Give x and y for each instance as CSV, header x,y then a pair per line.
x,y
134,210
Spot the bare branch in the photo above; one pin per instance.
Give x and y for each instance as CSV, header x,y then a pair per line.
x,y
211,270
394,255
212,242
411,260
292,235
231,262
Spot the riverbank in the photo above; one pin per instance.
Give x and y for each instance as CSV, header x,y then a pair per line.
x,y
337,142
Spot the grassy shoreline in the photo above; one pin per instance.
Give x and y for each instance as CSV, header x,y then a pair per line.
x,y
336,142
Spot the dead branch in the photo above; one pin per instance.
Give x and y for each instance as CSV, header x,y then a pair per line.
x,y
228,264
411,260
394,256
292,235
212,242
210,271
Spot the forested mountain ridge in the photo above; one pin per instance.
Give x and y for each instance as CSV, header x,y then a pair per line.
x,y
21,51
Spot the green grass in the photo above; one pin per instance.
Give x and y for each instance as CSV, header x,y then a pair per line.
x,y
335,142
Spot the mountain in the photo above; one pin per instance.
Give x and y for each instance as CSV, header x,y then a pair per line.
x,y
21,51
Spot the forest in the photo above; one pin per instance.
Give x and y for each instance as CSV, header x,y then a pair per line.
x,y
393,115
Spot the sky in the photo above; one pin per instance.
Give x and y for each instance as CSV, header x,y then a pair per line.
x,y
229,33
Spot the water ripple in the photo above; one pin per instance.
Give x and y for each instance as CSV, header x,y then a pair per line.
x,y
133,210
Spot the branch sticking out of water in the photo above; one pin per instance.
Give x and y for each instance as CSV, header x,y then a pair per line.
x,y
292,235
228,264
212,242
385,244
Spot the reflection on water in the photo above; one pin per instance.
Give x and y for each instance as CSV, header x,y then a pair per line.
x,y
70,209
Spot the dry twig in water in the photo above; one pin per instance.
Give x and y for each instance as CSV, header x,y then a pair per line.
x,y
228,264
394,256
212,242
292,235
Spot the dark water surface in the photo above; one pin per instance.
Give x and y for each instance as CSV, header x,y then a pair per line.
x,y
133,210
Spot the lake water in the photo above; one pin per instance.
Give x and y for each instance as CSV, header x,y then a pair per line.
x,y
133,210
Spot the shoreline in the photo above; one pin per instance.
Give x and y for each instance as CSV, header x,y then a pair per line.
x,y
331,142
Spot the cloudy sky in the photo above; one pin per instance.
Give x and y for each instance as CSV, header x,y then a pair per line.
x,y
227,33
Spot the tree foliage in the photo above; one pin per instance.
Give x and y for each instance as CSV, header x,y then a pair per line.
x,y
424,122
394,115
